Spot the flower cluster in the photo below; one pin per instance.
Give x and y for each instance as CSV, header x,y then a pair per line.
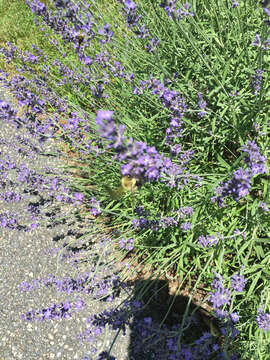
x,y
208,240
221,297
154,224
53,312
240,183
67,21
6,112
143,222
107,33
254,160
68,284
256,81
177,13
202,105
238,282
115,318
8,220
235,4
95,209
132,20
171,100
267,12
90,283
76,126
263,206
126,244
148,338
142,161
263,320
130,12
258,43
237,187
105,61
10,196
183,212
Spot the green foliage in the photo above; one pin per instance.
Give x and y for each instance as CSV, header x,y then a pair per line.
x,y
213,55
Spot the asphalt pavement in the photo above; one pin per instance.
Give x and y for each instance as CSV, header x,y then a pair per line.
x,y
34,266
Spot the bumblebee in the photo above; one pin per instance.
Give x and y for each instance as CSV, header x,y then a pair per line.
x,y
127,184
80,39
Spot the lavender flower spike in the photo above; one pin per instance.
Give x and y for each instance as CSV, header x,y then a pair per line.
x,y
263,321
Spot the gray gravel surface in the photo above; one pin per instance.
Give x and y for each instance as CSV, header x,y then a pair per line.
x,y
34,255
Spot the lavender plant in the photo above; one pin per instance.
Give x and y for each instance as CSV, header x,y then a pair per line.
x,y
174,96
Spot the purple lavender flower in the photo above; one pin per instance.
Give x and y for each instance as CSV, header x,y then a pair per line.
x,y
142,161
152,45
234,93
87,60
64,21
263,206
142,32
7,220
69,285
170,7
256,81
167,222
129,11
26,286
98,90
208,240
220,297
141,211
183,12
107,33
10,196
184,211
126,244
263,321
118,319
237,187
235,4
218,281
106,129
257,42
240,183
238,282
9,52
267,12
202,105
79,304
129,244
36,7
78,196
54,312
6,113
95,210
186,226
254,160
234,317
139,90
